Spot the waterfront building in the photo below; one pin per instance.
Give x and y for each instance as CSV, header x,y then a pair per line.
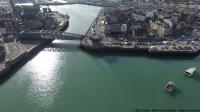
x,y
26,11
9,26
5,9
125,21
106,28
161,22
160,27
35,2
2,29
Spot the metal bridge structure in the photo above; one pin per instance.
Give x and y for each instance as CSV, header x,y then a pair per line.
x,y
49,35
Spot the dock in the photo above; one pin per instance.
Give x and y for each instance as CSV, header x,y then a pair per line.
x,y
96,39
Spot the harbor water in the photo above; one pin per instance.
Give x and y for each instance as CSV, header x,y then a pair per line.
x,y
63,78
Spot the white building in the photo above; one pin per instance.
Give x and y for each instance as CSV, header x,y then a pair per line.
x,y
124,28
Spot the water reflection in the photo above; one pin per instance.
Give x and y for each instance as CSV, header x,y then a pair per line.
x,y
45,81
175,92
81,16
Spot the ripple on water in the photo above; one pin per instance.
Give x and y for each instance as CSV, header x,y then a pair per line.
x,y
44,79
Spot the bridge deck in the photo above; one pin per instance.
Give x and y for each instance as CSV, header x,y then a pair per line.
x,y
50,35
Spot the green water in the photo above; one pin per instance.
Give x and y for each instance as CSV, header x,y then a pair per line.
x,y
63,78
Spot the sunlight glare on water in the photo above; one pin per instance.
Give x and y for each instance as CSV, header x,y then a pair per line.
x,y
45,81
64,78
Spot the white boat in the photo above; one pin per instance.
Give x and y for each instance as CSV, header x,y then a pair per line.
x,y
190,71
169,87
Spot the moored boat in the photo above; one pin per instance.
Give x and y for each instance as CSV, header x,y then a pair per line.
x,y
190,71
169,87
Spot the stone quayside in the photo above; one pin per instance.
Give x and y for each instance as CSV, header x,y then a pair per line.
x,y
145,27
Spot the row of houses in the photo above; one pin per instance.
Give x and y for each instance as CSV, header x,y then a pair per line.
x,y
25,17
9,26
128,21
143,21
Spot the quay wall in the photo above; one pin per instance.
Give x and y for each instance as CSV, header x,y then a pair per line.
x,y
94,21
93,45
180,53
25,55
4,71
29,53
139,50
120,49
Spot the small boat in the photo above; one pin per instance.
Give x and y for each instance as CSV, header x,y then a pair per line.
x,y
190,71
169,87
